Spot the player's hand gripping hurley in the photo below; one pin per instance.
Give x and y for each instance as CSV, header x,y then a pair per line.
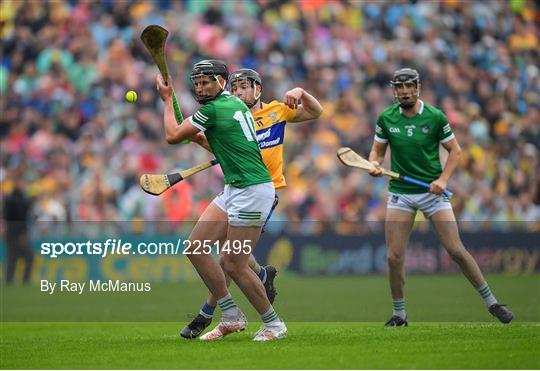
x,y
350,158
154,38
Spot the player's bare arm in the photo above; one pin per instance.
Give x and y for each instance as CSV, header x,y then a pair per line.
x,y
454,153
309,109
376,157
201,140
174,133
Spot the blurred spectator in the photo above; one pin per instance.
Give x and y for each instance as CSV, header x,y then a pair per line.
x,y
17,212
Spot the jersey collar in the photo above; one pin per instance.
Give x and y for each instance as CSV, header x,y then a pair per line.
x,y
260,106
421,107
419,111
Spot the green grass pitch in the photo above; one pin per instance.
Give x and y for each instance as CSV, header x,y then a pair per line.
x,y
334,323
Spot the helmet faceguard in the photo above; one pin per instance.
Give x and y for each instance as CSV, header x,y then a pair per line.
x,y
247,74
406,77
211,68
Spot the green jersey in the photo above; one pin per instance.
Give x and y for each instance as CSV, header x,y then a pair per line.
x,y
414,144
230,130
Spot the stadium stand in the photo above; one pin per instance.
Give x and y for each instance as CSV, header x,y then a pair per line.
x,y
80,147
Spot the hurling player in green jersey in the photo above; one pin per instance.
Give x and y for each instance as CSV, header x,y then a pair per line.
x,y
248,197
271,120
414,130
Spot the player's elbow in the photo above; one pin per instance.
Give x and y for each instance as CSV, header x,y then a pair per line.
x,y
457,150
172,139
318,111
312,114
169,139
315,110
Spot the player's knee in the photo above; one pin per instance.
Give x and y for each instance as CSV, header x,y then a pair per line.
x,y
222,262
395,259
231,267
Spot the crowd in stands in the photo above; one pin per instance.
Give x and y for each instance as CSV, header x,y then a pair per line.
x,y
66,130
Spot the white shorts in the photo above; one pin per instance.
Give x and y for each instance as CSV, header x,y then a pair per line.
x,y
429,203
247,207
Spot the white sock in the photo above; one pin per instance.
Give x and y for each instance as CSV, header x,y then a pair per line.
x,y
399,308
270,317
485,293
228,307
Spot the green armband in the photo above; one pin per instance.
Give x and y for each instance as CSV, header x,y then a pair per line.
x,y
178,113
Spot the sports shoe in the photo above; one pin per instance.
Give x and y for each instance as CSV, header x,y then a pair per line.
x,y
195,327
226,327
397,321
271,292
501,312
275,330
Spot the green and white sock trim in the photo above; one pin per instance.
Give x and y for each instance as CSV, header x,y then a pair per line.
x,y
485,293
226,304
269,316
399,308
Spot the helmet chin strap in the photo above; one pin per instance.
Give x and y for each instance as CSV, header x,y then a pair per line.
x,y
255,96
222,87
